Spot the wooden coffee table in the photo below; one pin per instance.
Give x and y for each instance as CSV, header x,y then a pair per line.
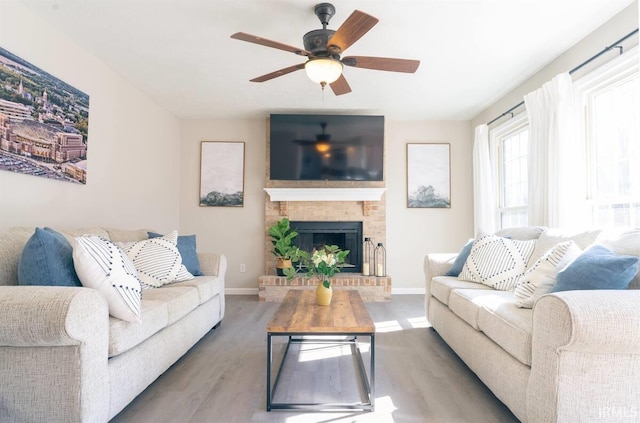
x,y
343,321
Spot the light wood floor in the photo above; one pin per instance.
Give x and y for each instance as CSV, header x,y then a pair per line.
x,y
223,377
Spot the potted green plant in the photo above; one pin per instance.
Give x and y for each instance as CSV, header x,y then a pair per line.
x,y
282,236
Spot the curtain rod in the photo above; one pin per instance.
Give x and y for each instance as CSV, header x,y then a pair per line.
x,y
580,66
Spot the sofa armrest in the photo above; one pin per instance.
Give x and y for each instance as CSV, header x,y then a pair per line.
x,y
49,316
435,265
585,357
213,264
53,354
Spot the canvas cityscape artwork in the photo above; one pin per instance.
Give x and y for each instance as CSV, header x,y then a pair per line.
x,y
43,122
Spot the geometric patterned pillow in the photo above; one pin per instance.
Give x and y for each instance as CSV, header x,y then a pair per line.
x,y
101,265
188,251
542,275
157,260
497,262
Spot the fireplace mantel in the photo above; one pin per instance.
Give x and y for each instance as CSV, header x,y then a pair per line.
x,y
325,194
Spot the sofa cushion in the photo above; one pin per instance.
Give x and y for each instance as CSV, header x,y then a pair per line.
x,y
157,260
597,268
522,233
207,286
101,265
125,235
47,259
179,300
508,326
125,335
466,303
441,287
187,248
541,276
497,262
554,236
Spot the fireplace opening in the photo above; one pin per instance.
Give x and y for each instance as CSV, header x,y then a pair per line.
x,y
346,235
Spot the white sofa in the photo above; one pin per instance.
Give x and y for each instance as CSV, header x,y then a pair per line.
x,y
64,359
574,357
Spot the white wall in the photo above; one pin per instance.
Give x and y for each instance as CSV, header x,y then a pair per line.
x,y
613,30
238,232
411,233
133,146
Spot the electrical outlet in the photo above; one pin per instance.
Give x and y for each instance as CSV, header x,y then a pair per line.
x,y
243,268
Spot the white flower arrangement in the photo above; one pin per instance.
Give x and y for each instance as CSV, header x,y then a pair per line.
x,y
326,262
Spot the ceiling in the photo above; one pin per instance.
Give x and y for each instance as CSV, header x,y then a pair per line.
x,y
180,53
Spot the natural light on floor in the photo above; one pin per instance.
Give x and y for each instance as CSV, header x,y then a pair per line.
x,y
383,414
311,352
384,406
395,325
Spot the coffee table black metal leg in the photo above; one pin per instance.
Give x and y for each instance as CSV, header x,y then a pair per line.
x,y
269,357
372,357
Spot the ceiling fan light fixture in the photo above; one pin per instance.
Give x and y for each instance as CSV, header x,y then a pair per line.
x,y
323,70
322,146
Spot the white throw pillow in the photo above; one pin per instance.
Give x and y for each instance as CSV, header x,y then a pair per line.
x,y
158,260
101,265
497,262
541,276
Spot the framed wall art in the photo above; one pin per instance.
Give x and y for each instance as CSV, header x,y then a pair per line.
x,y
221,174
428,175
44,122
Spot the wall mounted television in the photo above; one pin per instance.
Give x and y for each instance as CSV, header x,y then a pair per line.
x,y
326,147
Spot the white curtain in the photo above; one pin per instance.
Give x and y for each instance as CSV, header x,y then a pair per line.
x,y
484,203
553,157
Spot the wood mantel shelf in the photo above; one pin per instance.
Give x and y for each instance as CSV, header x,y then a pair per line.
x,y
325,194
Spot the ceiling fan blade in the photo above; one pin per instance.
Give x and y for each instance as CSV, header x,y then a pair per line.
x,y
243,36
382,63
278,73
356,25
340,86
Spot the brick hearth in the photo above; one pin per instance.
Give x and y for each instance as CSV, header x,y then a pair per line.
x,y
371,288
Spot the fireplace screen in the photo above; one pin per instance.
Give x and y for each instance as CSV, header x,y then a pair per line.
x,y
346,235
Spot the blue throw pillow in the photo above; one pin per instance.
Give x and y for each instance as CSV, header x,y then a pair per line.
x,y
597,268
458,263
47,259
187,249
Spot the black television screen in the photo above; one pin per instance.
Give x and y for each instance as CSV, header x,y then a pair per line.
x,y
326,147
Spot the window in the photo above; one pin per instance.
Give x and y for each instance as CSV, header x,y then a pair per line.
x,y
510,143
605,172
609,97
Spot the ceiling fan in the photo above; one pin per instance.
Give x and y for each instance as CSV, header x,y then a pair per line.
x,y
322,142
323,48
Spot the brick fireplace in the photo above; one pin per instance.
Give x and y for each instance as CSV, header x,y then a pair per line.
x,y
324,201
370,213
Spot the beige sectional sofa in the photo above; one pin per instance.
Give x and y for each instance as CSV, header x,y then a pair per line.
x,y
574,357
64,359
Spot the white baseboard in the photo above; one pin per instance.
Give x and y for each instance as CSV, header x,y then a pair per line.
x,y
407,291
394,291
241,291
